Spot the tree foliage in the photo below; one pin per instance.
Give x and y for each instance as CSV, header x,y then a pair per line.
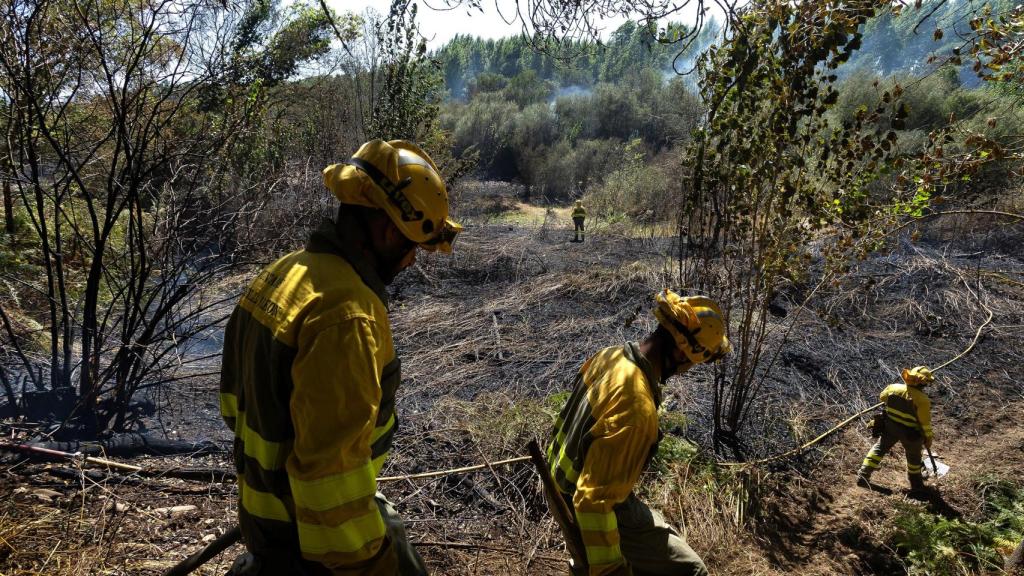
x,y
791,162
768,172
126,125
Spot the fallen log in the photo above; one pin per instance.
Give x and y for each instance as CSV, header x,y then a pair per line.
x,y
134,444
207,474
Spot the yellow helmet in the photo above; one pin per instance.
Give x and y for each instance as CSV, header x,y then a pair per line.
x,y
695,323
399,178
917,376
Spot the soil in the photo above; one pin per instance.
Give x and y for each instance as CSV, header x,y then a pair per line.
x,y
488,335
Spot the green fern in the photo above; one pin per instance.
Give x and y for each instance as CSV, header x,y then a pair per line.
x,y
939,546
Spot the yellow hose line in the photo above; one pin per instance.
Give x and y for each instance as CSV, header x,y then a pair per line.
x,y
806,445
453,470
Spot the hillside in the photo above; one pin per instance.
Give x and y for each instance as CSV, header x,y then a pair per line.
x,y
844,179
489,338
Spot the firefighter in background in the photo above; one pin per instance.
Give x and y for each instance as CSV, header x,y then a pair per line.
x,y
310,373
908,420
579,214
608,431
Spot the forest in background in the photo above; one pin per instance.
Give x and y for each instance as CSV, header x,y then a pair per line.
x,y
154,155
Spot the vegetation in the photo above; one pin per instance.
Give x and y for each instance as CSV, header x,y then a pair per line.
x,y
840,182
153,150
936,545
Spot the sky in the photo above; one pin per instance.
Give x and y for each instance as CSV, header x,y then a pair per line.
x,y
440,26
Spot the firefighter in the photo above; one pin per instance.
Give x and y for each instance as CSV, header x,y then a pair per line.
x,y
309,375
908,421
579,214
608,431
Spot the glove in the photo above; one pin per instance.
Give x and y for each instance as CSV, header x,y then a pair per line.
x,y
928,443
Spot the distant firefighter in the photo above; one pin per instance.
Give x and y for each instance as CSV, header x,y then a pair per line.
x,y
607,433
579,214
907,420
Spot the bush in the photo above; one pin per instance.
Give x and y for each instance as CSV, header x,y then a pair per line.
x,y
640,191
938,546
486,123
573,114
617,111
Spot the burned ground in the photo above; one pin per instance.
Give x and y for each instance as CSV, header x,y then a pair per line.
x,y
490,337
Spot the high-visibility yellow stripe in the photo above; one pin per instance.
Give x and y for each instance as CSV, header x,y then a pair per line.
x,y
592,538
560,437
870,463
334,490
914,468
597,521
382,430
339,515
900,413
270,455
376,465
555,448
603,555
262,504
902,417
565,464
228,405
346,538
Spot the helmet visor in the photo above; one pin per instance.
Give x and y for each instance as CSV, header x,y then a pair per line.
x,y
445,237
721,351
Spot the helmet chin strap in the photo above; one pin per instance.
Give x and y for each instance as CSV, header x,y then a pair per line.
x,y
670,366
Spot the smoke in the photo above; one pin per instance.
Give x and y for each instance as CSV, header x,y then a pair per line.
x,y
573,91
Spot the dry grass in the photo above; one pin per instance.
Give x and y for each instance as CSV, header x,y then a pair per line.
x,y
50,525
490,337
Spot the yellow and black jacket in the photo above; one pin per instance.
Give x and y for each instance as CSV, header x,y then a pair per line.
x,y
603,438
908,406
579,212
308,385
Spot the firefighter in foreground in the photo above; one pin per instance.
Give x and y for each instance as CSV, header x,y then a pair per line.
x,y
608,431
908,420
309,375
579,215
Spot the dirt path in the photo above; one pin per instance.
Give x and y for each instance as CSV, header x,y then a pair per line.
x,y
848,526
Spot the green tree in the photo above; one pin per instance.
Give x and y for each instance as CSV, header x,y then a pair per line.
x,y
768,171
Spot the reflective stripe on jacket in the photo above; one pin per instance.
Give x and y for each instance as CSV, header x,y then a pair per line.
x,y
603,437
579,212
308,385
908,406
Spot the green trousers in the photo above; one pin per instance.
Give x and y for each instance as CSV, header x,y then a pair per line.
x,y
650,545
892,433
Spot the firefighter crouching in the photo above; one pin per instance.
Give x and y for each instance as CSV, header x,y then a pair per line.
x,y
608,431
908,421
310,373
